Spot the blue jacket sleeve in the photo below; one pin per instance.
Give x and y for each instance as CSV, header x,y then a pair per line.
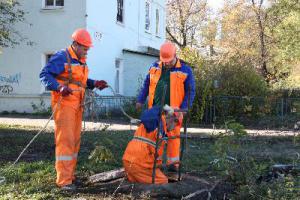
x,y
144,91
189,90
54,67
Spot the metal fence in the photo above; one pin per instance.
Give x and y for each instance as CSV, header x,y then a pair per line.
x,y
108,106
250,111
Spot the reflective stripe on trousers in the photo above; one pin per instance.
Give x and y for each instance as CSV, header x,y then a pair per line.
x,y
65,157
173,160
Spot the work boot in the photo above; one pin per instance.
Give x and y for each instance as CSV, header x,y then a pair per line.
x,y
173,168
68,188
77,182
172,173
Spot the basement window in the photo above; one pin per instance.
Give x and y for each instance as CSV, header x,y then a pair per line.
x,y
53,4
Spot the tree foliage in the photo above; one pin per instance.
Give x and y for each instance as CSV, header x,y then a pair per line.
x,y
185,20
265,37
10,14
240,34
284,28
246,33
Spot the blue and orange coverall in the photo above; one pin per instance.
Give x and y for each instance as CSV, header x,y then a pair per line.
x,y
64,68
139,156
181,90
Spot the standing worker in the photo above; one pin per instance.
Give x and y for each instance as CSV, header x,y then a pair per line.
x,y
174,73
66,75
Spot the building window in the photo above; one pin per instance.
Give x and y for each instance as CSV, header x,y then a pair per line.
x,y
120,13
147,15
117,76
157,22
53,3
45,59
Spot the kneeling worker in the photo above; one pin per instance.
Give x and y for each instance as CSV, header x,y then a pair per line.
x,y
139,156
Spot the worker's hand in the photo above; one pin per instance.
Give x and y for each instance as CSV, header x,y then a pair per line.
x,y
138,106
179,116
101,84
64,90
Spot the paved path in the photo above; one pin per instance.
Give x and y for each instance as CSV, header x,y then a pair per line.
x,y
119,127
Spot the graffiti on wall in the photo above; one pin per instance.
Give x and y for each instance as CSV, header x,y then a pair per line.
x,y
6,83
11,79
6,89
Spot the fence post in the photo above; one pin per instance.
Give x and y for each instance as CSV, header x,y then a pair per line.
x,y
282,102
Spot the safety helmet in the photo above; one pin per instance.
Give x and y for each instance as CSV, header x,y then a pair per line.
x,y
82,37
167,52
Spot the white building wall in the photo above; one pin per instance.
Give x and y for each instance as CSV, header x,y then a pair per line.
x,y
139,64
49,30
116,37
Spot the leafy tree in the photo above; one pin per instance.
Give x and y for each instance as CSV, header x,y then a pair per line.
x,y
10,14
285,51
264,38
209,35
185,20
239,34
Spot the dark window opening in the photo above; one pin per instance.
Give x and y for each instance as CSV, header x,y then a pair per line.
x,y
120,11
54,3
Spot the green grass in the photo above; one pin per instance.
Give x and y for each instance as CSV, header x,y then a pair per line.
x,y
34,176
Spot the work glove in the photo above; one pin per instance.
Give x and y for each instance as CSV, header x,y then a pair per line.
x,y
64,90
100,84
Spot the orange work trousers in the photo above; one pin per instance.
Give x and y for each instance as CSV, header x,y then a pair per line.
x,y
139,174
173,148
68,122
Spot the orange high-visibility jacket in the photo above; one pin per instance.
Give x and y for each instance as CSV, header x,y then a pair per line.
x,y
182,85
58,72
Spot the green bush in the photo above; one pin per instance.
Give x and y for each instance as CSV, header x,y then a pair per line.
x,y
223,79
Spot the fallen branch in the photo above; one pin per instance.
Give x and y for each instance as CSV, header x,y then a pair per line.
x,y
107,176
197,193
200,191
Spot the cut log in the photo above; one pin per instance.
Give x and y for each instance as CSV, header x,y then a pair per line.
x,y
107,176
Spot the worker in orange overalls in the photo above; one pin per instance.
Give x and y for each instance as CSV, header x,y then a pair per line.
x,y
139,156
177,76
66,75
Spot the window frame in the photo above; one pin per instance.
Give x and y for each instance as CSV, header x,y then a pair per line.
x,y
52,7
118,76
123,12
157,22
45,59
149,16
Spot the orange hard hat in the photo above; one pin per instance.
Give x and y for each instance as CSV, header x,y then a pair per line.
x,y
167,52
82,37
